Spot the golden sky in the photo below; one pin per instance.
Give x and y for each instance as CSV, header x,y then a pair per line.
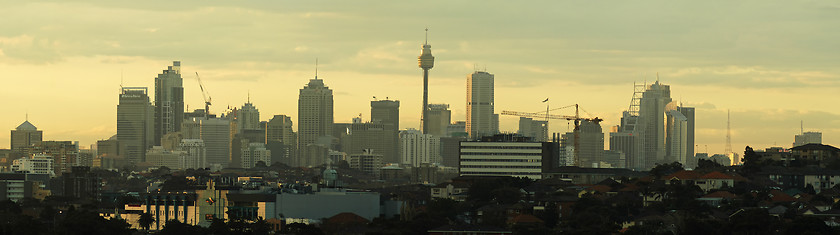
x,y
772,63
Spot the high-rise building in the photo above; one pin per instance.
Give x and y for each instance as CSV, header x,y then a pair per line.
x,y
195,154
417,148
591,146
169,101
481,119
248,118
438,118
253,153
135,123
426,61
281,139
809,137
34,164
159,157
386,112
215,132
376,136
315,119
676,138
450,150
23,137
536,129
652,114
688,112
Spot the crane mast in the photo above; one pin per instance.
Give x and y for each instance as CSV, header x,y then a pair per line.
x,y
205,95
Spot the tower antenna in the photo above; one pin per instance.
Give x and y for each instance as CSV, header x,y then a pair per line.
x,y
426,42
316,68
801,127
728,134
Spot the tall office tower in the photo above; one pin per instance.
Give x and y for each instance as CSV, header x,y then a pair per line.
x,y
591,144
507,155
135,123
481,119
169,101
652,113
809,137
253,153
438,118
417,148
248,117
627,140
536,129
676,137
281,139
23,137
688,112
195,154
386,111
315,119
215,132
65,154
426,61
376,136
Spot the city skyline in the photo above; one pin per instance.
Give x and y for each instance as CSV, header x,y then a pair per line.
x,y
63,73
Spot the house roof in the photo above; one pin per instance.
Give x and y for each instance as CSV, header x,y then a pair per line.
x,y
716,175
779,196
347,217
808,147
683,175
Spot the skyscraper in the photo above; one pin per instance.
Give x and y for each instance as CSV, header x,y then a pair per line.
x,y
426,61
281,139
385,111
652,115
215,132
688,112
23,137
248,117
537,129
169,101
676,137
438,118
315,119
387,114
481,119
135,124
809,137
591,145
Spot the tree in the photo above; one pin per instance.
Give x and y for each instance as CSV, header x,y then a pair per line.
x,y
704,164
752,162
665,169
146,220
175,227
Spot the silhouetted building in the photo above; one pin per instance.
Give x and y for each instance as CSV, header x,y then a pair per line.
x,y
536,129
135,123
169,101
215,133
481,119
438,118
281,139
315,120
807,138
23,137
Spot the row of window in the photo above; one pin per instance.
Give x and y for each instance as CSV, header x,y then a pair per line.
x,y
504,154
501,160
500,173
491,166
501,147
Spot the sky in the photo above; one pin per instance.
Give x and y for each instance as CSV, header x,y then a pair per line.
x,y
772,63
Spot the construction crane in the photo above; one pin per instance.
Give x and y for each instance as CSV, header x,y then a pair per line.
x,y
206,96
576,118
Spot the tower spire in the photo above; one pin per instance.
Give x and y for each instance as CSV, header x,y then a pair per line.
x,y
426,42
728,149
316,68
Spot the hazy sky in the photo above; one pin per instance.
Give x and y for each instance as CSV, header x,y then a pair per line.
x,y
773,63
